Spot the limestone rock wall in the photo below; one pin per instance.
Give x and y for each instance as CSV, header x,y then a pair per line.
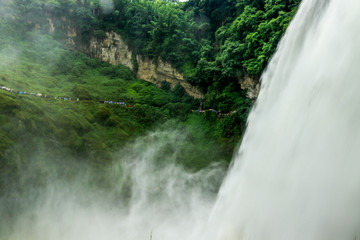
x,y
114,50
251,85
67,26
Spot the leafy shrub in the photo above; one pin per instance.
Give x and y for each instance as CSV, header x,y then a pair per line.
x,y
179,110
8,105
179,90
99,34
165,85
81,93
103,114
117,72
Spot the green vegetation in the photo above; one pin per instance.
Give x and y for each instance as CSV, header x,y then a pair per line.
x,y
214,43
89,129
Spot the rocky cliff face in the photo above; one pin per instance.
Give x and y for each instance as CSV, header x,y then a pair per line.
x,y
251,85
67,26
114,50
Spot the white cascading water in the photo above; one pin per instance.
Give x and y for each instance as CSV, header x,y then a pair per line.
x,y
295,177
297,173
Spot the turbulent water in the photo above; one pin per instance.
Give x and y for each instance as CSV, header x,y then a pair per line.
x,y
296,175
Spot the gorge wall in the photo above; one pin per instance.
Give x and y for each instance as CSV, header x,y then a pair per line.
x,y
114,50
251,85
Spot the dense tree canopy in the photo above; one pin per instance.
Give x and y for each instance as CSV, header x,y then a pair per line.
x,y
214,43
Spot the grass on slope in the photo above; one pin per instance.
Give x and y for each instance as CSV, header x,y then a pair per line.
x,y
87,129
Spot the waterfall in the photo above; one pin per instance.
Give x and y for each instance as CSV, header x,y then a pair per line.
x,y
297,172
296,175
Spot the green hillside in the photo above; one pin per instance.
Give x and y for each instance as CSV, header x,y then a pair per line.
x,y
214,43
83,127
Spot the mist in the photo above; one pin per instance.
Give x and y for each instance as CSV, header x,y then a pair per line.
x,y
143,194
107,6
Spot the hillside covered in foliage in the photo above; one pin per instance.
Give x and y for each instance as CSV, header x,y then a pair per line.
x,y
213,43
